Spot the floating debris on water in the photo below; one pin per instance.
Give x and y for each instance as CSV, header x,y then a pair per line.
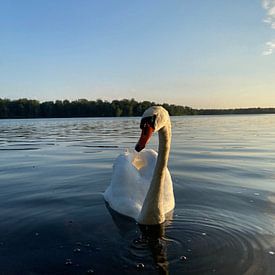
x,y
183,258
271,252
76,250
68,262
204,234
257,194
36,234
138,241
140,266
90,271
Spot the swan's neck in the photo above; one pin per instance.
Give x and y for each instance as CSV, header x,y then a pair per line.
x,y
152,211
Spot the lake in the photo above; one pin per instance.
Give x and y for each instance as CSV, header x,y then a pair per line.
x,y
54,220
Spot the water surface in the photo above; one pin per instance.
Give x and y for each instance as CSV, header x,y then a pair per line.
x,y
54,220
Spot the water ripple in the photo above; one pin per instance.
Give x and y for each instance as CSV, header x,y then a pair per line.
x,y
222,242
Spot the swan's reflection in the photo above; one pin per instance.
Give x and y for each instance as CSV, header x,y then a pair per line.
x,y
152,237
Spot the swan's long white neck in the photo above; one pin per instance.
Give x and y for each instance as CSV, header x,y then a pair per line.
x,y
152,211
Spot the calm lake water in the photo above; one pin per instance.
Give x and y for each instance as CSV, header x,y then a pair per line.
x,y
54,220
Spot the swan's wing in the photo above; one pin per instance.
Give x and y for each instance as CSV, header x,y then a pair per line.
x,y
149,159
123,174
124,193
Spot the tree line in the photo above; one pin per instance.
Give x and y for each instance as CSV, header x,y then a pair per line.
x,y
28,108
238,111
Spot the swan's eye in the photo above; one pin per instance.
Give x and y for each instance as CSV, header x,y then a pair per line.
x,y
148,122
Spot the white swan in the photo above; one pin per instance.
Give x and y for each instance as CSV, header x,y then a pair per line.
x,y
141,185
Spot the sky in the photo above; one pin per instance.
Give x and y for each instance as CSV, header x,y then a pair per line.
x,y
199,53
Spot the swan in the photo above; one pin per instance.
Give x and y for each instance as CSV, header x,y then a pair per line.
x,y
141,186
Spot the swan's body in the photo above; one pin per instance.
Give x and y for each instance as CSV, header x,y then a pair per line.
x,y
132,175
141,185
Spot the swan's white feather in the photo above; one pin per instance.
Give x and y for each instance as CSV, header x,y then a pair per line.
x,y
131,178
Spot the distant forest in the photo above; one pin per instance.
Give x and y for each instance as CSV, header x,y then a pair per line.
x,y
27,108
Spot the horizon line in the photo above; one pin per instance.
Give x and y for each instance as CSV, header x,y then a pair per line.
x,y
138,101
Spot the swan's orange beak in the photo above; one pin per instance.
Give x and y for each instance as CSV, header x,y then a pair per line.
x,y
146,133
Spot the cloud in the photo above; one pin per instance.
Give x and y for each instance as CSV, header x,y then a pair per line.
x,y
269,6
270,48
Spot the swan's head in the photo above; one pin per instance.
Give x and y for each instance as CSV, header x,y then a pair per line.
x,y
153,119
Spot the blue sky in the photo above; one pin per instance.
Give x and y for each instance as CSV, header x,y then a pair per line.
x,y
200,53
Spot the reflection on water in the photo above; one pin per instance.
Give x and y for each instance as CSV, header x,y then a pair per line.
x,y
152,239
153,236
54,219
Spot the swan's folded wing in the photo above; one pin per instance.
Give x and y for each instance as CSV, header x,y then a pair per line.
x,y
122,194
149,159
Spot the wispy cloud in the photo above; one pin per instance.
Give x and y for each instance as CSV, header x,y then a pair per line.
x,y
269,6
270,48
